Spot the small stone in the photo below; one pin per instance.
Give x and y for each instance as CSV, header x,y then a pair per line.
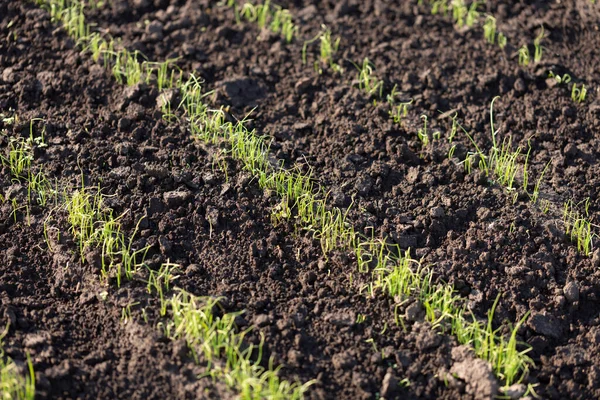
x,y
437,212
571,291
308,278
546,325
123,124
303,84
596,259
569,112
520,86
339,199
570,150
155,29
180,349
364,185
192,269
295,357
343,361
347,318
261,320
413,311
176,197
515,391
35,340
9,75
166,99
165,245
389,385
478,376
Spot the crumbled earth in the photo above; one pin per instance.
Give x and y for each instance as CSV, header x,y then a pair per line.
x,y
217,225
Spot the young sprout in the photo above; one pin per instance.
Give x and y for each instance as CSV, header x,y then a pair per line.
x,y
422,132
536,189
489,29
473,14
327,48
566,78
537,55
578,227
501,40
400,111
391,96
454,129
366,81
439,6
524,55
459,12
259,13
14,385
578,94
282,24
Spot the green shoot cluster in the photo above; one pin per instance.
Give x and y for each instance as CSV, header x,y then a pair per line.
x,y
501,163
578,226
13,385
212,338
94,226
266,15
19,161
578,94
126,66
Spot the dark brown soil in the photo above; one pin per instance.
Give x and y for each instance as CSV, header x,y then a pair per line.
x,y
464,225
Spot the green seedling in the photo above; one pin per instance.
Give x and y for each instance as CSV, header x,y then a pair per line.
x,y
256,13
536,189
451,152
501,40
489,29
422,132
578,226
566,78
459,12
392,95
305,203
537,54
399,112
327,47
126,312
214,337
282,24
127,69
440,7
454,128
94,226
277,19
13,385
367,81
473,14
524,55
578,94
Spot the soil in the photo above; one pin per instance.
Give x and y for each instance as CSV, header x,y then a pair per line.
x,y
218,228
